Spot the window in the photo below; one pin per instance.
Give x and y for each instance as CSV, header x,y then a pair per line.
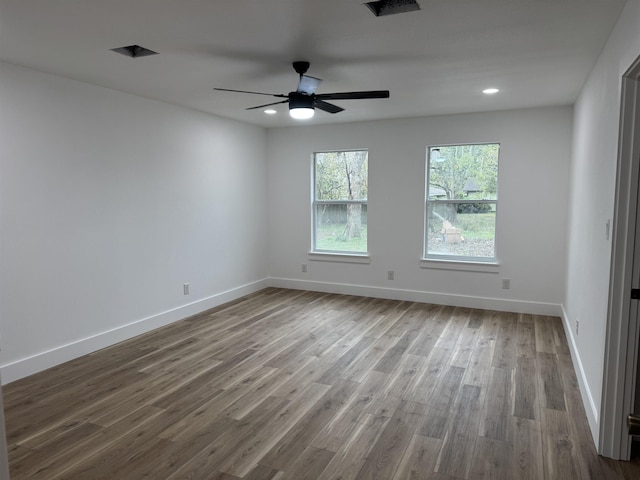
x,y
340,202
461,203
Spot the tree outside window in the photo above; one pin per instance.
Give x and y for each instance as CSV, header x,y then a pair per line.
x,y
462,202
340,201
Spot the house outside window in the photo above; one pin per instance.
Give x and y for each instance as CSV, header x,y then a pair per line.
x,y
340,202
461,202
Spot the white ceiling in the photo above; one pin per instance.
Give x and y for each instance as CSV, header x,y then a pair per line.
x,y
433,61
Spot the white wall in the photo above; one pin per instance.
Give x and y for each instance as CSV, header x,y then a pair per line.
x,y
533,183
593,171
108,204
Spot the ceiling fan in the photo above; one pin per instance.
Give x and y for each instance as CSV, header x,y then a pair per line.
x,y
304,101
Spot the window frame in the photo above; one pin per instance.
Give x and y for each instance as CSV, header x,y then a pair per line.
x,y
334,255
444,261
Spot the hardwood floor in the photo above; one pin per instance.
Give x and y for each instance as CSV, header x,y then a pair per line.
x,y
287,384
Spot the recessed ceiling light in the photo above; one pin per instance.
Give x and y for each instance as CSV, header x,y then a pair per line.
x,y
490,91
270,111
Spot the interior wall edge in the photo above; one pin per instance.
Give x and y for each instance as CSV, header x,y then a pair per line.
x,y
56,356
468,301
590,407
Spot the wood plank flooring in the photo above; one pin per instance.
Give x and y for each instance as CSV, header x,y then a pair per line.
x,y
286,384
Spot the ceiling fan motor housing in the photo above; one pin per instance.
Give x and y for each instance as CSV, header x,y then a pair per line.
x,y
300,100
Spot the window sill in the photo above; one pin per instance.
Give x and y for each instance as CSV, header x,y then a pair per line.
x,y
462,266
362,258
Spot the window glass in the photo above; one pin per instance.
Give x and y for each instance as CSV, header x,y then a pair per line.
x,y
340,201
462,202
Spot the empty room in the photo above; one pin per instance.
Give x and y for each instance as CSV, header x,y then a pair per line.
x,y
292,239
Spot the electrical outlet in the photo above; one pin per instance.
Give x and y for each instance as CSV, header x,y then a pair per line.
x,y
577,327
304,268
506,283
391,275
185,289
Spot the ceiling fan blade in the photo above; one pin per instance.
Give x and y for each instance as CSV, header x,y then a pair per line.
x,y
267,105
308,85
327,107
354,95
255,93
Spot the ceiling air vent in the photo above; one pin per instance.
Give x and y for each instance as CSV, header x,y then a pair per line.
x,y
391,7
134,51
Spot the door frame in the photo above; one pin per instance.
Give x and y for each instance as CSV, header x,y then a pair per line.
x,y
4,460
623,328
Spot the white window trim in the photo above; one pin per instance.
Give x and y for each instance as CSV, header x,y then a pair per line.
x,y
340,257
461,265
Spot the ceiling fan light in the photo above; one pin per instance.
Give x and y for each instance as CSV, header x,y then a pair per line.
x,y
301,106
302,113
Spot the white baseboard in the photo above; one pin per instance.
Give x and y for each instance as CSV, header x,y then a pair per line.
x,y
41,361
590,406
484,303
